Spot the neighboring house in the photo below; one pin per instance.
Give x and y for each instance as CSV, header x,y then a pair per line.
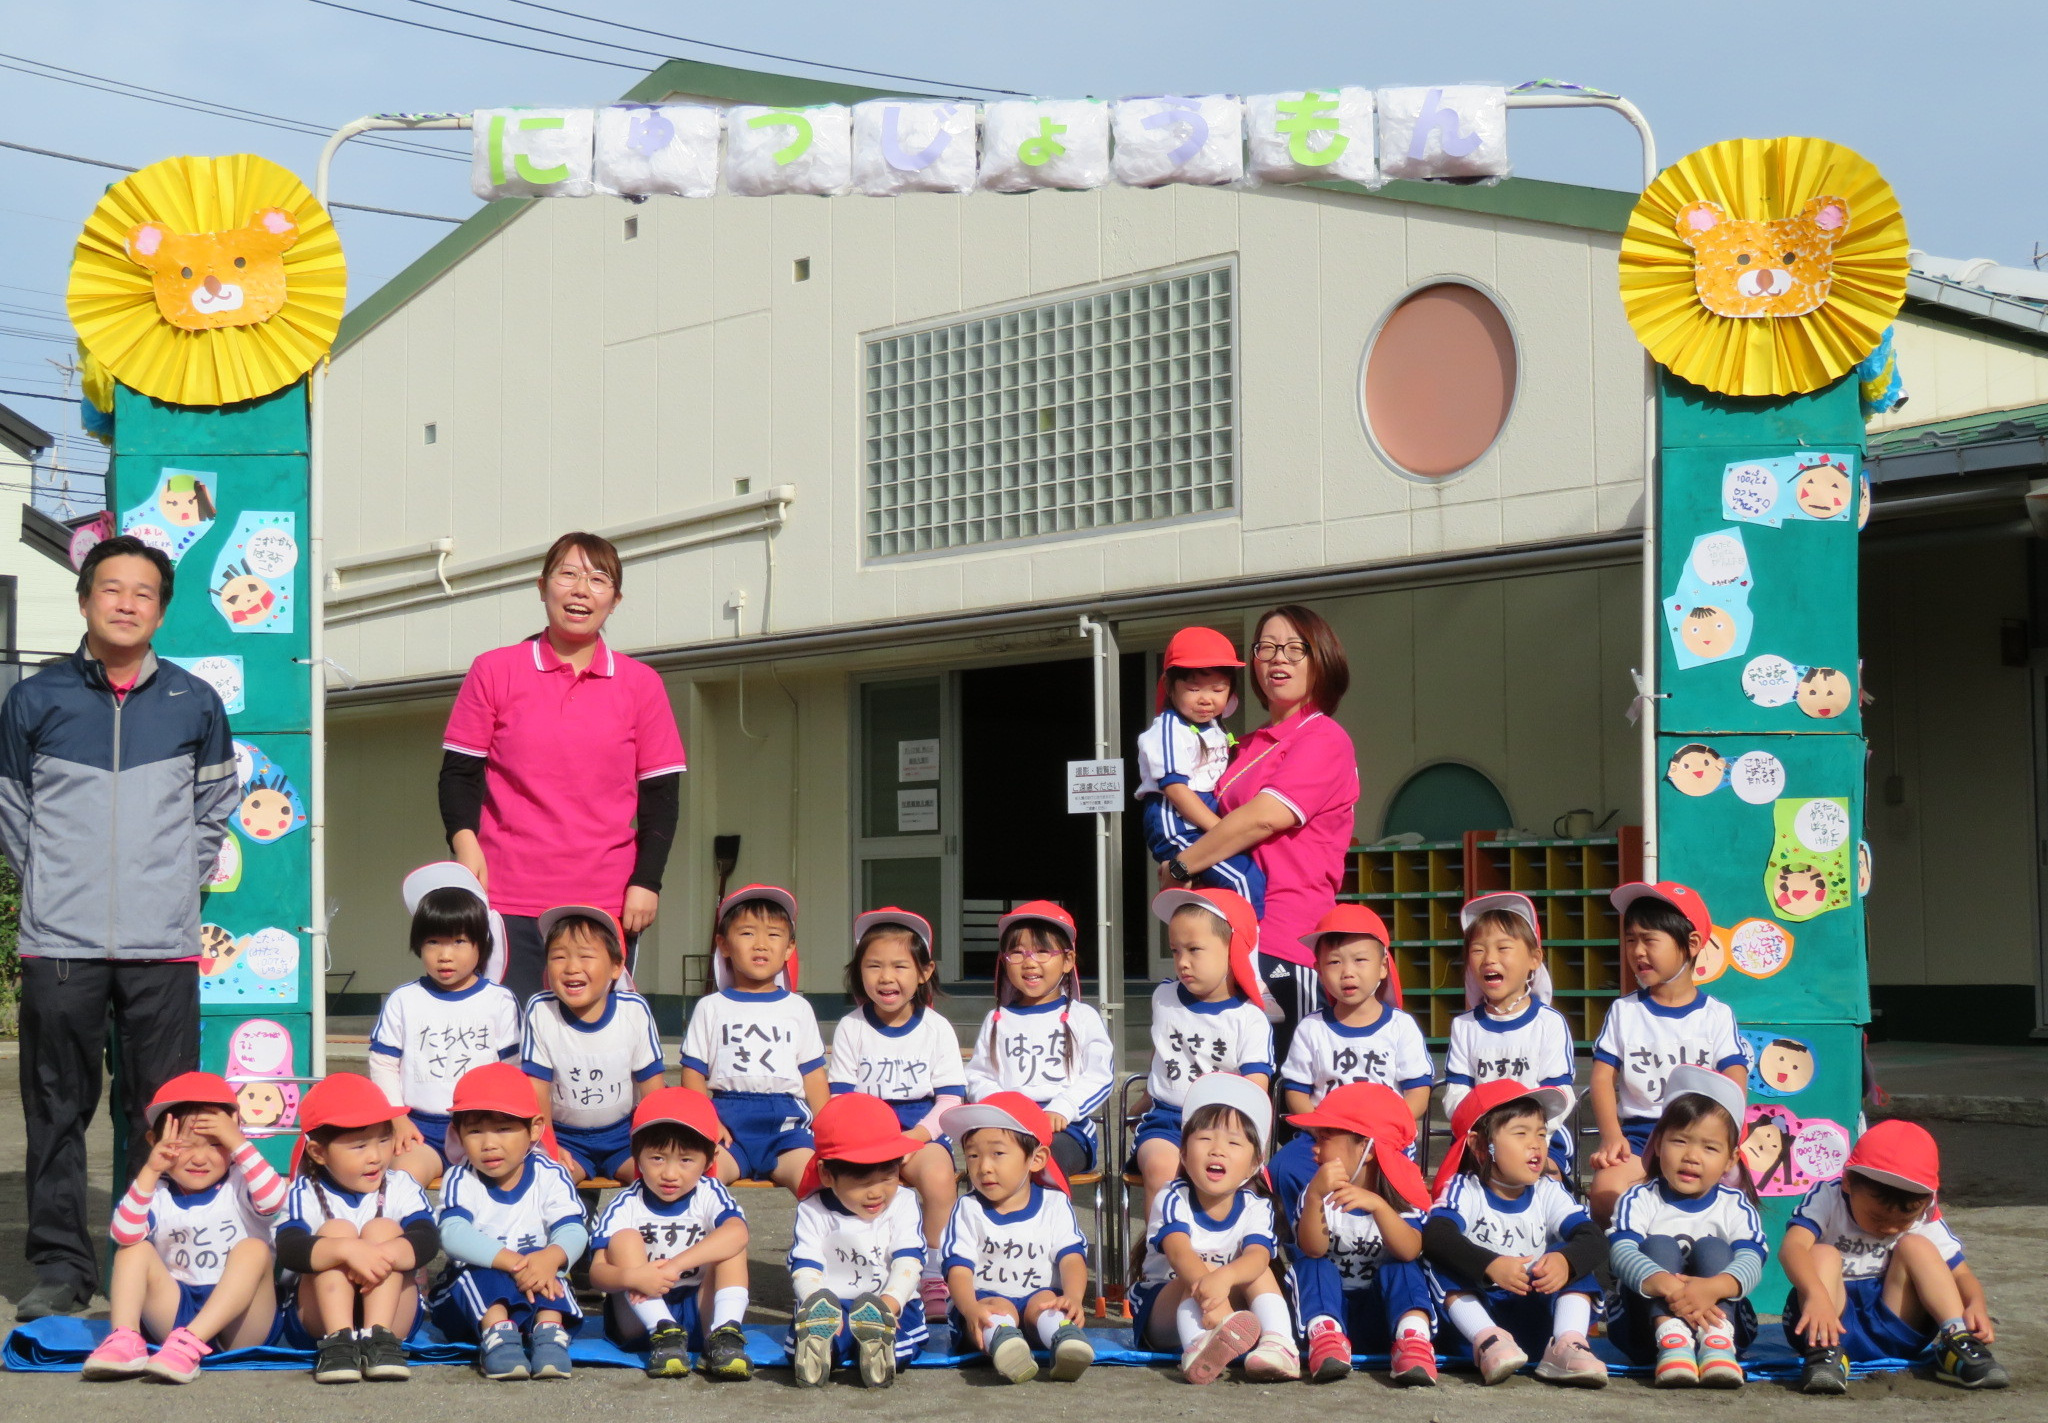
x,y
38,601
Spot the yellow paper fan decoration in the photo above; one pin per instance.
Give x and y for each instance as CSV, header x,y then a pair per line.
x,y
94,382
210,319
1764,266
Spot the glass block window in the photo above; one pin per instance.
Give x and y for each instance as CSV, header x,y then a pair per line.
x,y
1085,413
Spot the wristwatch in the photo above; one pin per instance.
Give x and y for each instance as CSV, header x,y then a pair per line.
x,y
1180,872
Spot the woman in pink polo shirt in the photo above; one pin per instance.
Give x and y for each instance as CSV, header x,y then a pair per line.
x,y
1287,796
556,746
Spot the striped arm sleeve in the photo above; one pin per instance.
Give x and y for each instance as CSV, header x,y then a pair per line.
x,y
266,1188
131,1218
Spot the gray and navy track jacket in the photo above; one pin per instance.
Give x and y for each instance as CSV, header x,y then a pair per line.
x,y
112,811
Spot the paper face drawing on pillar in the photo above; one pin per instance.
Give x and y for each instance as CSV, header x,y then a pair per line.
x,y
270,808
1786,1154
1176,139
261,967
1757,777
1862,868
220,672
1823,692
1818,487
1457,132
1712,959
1708,614
226,875
796,150
177,515
1770,680
1314,135
1759,948
1811,869
1778,1067
913,146
648,149
530,153
1044,143
252,575
1696,769
258,1051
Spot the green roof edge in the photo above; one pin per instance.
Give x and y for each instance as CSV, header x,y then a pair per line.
x,y
1982,423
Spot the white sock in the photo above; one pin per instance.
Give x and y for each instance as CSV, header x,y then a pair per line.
x,y
728,1306
1572,1314
1323,1321
1049,1324
1673,1333
1469,1315
1413,1324
1718,1336
933,1264
1187,1320
652,1313
1273,1317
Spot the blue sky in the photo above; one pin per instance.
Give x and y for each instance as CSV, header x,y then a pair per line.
x,y
1947,102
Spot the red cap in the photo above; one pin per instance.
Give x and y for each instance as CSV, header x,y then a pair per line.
x,y
859,1128
1039,911
721,969
495,1087
684,1106
347,1099
1238,916
1195,647
1899,1154
1377,1112
202,1088
1358,919
1684,899
1016,1112
1555,1102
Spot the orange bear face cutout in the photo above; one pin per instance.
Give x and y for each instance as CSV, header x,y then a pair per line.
x,y
208,280
1782,267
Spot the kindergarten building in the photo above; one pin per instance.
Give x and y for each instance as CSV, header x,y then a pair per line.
x,y
871,464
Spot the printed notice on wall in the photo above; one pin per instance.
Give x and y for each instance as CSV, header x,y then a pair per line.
x,y
1095,787
917,761
917,812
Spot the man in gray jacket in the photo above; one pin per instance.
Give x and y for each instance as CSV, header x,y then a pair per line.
x,y
117,775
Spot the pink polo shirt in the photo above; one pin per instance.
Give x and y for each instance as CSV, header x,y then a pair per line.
x,y
1309,765
564,757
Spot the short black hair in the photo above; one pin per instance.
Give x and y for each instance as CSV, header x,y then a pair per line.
x,y
1024,1139
763,906
597,929
862,1171
1513,1110
457,1121
670,1136
132,547
1659,916
1892,1198
451,913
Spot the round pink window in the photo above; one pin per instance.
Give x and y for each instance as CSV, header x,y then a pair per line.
x,y
1440,380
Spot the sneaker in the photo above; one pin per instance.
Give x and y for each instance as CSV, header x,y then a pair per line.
x,y
936,1297
340,1359
501,1355
1497,1356
121,1355
816,1326
1071,1353
1569,1360
1329,1354
383,1356
1011,1354
1414,1362
548,1347
1960,1358
874,1340
1678,1364
725,1355
1213,1349
668,1351
1825,1371
177,1360
1273,1359
1719,1366
52,1297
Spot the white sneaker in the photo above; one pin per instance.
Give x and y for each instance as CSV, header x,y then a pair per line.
x,y
1273,1358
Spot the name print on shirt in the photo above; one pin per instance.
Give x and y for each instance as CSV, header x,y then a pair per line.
x,y
1651,1063
1188,1051
590,1086
446,1052
671,1237
1349,1065
895,1079
1011,1266
1036,1057
1487,1069
758,1049
192,1248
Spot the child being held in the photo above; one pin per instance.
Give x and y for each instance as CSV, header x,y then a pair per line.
x,y
511,1226
1357,1268
1015,1256
672,1247
1509,1028
1041,1038
1360,1034
1686,1248
1876,1273
1212,1019
192,1238
354,1231
1183,753
894,1046
448,1020
1514,1254
1206,1289
754,1044
590,1046
856,1252
1667,1022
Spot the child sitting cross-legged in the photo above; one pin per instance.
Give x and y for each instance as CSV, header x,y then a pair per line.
x,y
192,1240
1514,1254
355,1229
857,1252
511,1226
672,1247
1014,1253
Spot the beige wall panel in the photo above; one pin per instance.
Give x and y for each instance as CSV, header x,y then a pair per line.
x,y
688,270
1547,287
630,270
1537,518
926,588
742,246
1065,238
1137,229
1550,700
1275,550
1367,540
1379,635
1204,222
628,481
1622,374
1446,243
925,237
684,417
995,250
1069,570
1152,561
1459,662
1279,391
1364,272
1620,631
1210,548
1950,372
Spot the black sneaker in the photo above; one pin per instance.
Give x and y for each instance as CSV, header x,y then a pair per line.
x,y
1960,1358
52,1297
340,1359
668,1351
725,1354
1826,1371
383,1355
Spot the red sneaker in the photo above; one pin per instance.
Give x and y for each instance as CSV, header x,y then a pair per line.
x,y
1414,1364
1329,1355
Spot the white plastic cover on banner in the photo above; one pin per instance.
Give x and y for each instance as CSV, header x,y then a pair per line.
x,y
1045,143
643,149
1171,138
795,150
530,153
913,146
1456,131
1311,135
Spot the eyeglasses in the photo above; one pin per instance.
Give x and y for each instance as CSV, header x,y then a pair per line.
x,y
570,578
1279,651
1019,955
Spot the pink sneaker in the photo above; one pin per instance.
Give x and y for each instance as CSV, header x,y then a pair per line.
x,y
1497,1356
1213,1349
177,1361
121,1355
937,1298
1414,1362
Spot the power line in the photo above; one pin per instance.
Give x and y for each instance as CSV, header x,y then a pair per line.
x,y
538,30
486,39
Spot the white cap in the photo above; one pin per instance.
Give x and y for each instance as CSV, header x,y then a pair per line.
x,y
1230,1090
1718,1087
1523,908
956,1122
901,918
447,874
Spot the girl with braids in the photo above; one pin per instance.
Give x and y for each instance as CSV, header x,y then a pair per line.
x,y
1041,1039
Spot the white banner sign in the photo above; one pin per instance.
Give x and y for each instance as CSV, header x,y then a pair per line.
x,y
1095,787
